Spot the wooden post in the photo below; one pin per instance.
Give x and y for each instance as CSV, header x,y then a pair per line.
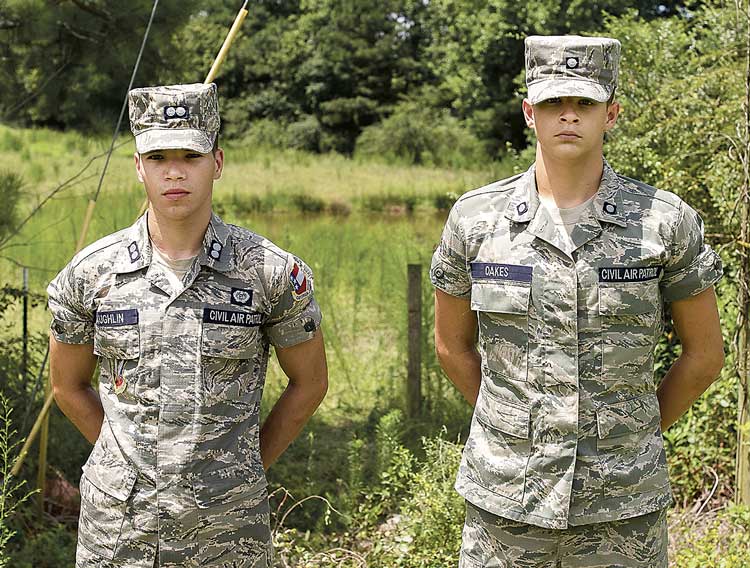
x,y
41,480
414,376
743,346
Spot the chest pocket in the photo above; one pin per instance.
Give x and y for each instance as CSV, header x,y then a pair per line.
x,y
630,315
229,352
503,314
119,347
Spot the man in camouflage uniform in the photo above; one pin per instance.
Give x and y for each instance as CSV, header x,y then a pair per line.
x,y
179,311
552,289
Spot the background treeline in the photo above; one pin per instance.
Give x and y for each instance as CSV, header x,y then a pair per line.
x,y
409,78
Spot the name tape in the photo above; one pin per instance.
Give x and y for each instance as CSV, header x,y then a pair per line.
x,y
116,318
494,271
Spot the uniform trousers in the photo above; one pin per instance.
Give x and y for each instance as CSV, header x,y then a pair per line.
x,y
490,541
131,534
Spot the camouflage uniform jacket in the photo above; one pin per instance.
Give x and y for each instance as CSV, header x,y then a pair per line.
x,y
566,429
181,374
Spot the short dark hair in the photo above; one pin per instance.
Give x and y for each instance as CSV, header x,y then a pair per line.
x,y
216,144
610,100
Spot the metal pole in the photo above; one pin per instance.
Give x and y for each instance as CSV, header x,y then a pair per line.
x,y
25,352
414,375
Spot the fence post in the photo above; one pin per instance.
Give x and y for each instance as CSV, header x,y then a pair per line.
x,y
41,480
414,375
25,352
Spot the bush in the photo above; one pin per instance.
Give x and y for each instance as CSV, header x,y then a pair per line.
x,y
304,134
53,547
414,134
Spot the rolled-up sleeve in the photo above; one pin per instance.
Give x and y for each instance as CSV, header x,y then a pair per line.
x,y
448,271
72,316
693,266
295,315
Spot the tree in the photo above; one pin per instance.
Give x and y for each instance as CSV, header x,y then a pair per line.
x,y
68,63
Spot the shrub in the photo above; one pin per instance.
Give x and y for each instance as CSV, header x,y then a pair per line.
x,y
415,134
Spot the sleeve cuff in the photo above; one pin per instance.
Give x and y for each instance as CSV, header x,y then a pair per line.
x,y
298,329
449,279
74,332
705,271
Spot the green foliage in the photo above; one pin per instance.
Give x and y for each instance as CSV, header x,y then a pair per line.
x,y
51,547
432,513
720,541
67,63
418,135
12,492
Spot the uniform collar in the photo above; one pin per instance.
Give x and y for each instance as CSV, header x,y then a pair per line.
x,y
135,251
607,205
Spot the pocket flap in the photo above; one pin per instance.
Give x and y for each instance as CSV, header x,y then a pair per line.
x,y
229,342
501,298
121,342
114,480
628,416
496,414
226,485
629,298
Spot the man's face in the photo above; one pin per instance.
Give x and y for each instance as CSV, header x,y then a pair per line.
x,y
179,183
570,127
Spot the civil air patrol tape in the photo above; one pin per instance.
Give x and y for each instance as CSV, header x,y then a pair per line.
x,y
229,317
634,274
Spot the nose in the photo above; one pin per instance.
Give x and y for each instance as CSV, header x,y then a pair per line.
x,y
174,170
568,114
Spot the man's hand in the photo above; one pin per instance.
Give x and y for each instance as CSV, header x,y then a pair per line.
x,y
305,365
456,343
696,320
71,369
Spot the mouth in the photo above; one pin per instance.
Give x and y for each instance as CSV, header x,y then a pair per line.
x,y
567,135
176,193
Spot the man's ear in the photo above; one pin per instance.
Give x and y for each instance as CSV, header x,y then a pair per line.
x,y
528,113
218,163
138,166
613,111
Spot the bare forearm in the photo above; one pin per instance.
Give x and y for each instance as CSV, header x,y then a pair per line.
x,y
84,409
685,381
287,418
464,369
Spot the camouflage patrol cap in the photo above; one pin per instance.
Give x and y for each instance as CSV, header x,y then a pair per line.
x,y
571,66
174,117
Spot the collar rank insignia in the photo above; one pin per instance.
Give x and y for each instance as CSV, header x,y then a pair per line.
x,y
134,252
214,251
